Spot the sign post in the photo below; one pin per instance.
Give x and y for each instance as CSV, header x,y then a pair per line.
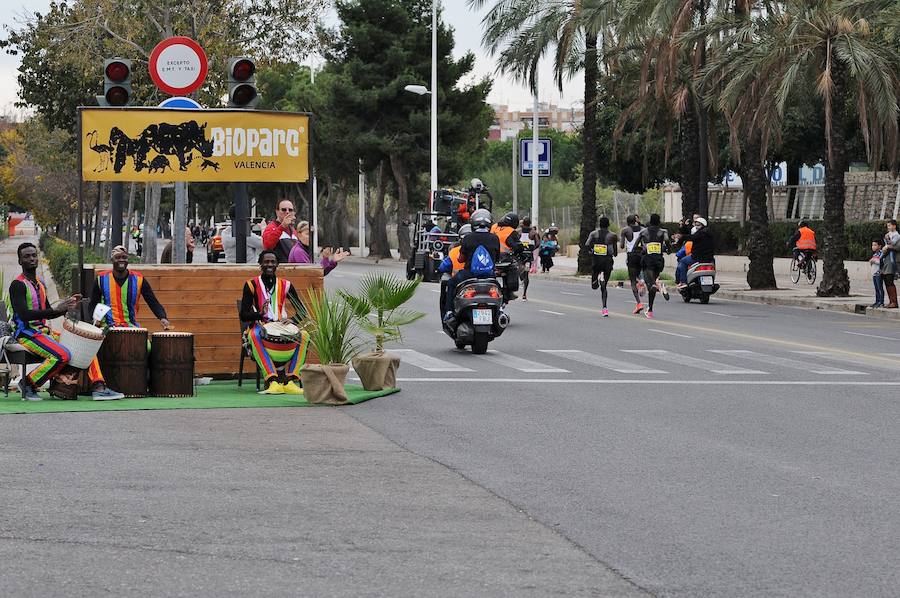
x,y
179,247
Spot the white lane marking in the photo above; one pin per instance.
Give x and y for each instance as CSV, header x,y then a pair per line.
x,y
428,363
573,294
523,365
835,382
623,367
686,360
715,313
887,338
874,363
786,362
669,333
555,313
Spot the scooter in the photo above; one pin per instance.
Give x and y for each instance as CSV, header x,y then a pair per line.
x,y
701,282
478,317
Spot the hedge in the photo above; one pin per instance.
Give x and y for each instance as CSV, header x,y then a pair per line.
x,y
731,237
62,257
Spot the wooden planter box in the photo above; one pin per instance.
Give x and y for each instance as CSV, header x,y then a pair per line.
x,y
203,299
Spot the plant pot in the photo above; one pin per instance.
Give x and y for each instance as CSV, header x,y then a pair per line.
x,y
324,384
377,371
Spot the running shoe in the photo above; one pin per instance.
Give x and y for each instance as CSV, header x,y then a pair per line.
x,y
638,308
665,291
595,284
649,315
605,313
524,298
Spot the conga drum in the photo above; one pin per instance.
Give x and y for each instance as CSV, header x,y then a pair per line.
x,y
172,364
123,359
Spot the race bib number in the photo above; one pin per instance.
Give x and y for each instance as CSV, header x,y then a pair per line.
x,y
600,250
654,248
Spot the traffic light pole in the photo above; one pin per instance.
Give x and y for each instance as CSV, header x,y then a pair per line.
x,y
179,249
117,191
241,217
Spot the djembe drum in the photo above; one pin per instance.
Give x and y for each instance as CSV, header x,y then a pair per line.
x,y
172,364
123,359
83,341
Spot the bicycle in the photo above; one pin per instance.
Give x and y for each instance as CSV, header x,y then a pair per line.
x,y
804,264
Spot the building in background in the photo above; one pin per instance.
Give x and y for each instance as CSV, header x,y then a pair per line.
x,y
509,123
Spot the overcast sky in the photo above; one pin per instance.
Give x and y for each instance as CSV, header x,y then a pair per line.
x,y
466,23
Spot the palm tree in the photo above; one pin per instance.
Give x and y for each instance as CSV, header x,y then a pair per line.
x,y
840,49
521,32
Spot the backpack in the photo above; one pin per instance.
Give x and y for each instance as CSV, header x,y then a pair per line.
x,y
482,263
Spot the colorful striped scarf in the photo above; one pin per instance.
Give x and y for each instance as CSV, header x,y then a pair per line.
x,y
122,299
273,305
36,298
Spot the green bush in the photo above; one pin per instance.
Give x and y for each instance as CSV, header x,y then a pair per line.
x,y
62,256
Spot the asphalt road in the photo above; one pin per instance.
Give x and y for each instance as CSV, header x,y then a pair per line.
x,y
731,449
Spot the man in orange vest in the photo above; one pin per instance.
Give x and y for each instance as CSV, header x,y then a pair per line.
x,y
803,241
510,240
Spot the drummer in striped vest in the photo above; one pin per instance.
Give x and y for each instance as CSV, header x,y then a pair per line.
x,y
31,310
120,289
264,302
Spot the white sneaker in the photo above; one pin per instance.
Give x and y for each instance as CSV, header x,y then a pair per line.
x,y
106,395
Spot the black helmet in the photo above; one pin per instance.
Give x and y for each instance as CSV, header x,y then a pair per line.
x,y
464,230
802,223
510,219
481,218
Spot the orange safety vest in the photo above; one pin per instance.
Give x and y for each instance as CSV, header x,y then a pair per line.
x,y
687,247
807,239
455,259
503,233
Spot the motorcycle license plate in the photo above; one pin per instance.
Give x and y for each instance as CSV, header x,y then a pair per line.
x,y
482,316
706,280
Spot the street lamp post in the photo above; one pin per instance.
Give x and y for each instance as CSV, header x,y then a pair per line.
x,y
422,90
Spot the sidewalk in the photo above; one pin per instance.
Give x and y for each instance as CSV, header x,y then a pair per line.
x,y
733,284
9,263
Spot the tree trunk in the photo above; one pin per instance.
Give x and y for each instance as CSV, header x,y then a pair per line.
x,y
589,183
761,274
151,219
402,178
835,281
379,246
126,237
690,163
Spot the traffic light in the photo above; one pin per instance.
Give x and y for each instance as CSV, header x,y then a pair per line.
x,y
242,92
116,82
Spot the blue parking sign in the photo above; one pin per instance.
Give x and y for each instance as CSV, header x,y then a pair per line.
x,y
526,157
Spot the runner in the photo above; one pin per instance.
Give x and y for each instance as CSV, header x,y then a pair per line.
x,y
630,242
654,240
603,250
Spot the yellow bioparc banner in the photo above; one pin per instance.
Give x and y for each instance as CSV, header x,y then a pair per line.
x,y
167,145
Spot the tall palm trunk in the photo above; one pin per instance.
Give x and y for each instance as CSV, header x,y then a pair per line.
x,y
690,163
401,176
589,184
835,281
761,274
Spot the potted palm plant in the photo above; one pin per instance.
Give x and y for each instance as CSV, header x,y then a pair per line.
x,y
377,307
332,325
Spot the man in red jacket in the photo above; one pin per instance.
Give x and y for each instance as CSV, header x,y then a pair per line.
x,y
280,235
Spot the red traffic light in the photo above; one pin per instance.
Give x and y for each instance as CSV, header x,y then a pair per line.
x,y
117,96
243,69
117,71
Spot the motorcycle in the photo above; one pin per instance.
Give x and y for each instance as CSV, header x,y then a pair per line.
x,y
478,316
701,282
509,270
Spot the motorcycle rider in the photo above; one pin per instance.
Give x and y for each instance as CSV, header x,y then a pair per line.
x,y
701,249
510,242
603,250
481,236
654,240
630,241
453,263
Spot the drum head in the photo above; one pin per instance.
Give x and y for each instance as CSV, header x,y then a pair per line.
x,y
281,329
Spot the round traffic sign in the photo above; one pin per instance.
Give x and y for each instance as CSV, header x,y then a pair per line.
x,y
179,102
178,65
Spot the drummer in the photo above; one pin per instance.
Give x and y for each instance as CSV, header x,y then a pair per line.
x,y
31,311
120,288
265,300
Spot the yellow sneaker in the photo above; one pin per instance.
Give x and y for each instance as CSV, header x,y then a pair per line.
x,y
275,388
291,388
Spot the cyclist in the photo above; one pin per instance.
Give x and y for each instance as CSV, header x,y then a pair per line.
x,y
803,242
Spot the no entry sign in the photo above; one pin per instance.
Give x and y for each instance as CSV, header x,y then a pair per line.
x,y
178,65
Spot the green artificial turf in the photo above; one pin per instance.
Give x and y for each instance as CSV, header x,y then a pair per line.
x,y
218,395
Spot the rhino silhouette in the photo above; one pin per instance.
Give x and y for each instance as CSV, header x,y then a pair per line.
x,y
166,139
159,164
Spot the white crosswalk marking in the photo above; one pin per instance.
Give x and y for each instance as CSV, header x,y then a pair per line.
x,y
872,363
428,363
623,367
523,365
703,364
806,366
